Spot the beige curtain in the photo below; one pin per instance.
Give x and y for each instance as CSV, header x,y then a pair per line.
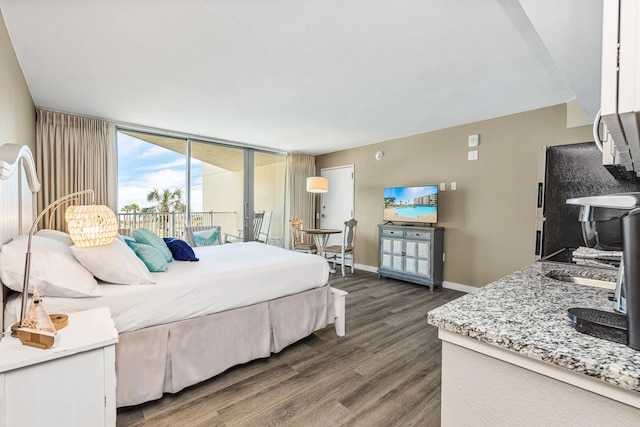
x,y
299,203
74,153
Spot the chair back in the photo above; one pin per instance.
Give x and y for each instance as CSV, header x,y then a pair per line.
x,y
263,233
188,234
296,234
349,233
258,217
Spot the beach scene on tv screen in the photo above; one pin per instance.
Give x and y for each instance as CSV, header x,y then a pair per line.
x,y
411,204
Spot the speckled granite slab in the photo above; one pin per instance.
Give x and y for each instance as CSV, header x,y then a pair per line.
x,y
526,312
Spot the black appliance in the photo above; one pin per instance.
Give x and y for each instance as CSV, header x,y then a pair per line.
x,y
572,171
626,224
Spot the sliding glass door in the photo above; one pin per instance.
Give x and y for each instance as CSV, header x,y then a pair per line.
x,y
152,183
166,183
217,187
268,195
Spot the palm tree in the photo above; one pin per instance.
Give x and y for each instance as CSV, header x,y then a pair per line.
x,y
167,201
133,207
389,202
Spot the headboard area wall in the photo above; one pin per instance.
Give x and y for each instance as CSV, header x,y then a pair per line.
x,y
18,187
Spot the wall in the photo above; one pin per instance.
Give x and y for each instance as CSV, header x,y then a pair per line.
x,y
17,111
269,195
223,191
489,220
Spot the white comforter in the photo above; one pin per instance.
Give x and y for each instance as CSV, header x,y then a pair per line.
x,y
226,277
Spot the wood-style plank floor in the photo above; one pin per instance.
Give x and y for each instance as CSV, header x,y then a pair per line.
x,y
384,372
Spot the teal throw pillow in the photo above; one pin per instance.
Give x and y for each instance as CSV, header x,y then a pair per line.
x,y
152,258
206,237
148,237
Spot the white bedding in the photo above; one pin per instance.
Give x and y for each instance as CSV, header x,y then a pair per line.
x,y
226,277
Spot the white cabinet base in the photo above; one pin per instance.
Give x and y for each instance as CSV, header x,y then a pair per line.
x,y
71,384
482,390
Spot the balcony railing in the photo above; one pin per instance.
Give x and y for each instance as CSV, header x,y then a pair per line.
x,y
172,224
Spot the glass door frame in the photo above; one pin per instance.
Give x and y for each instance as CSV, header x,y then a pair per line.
x,y
248,172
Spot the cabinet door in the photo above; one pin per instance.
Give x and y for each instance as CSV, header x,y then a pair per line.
x,y
418,262
78,398
398,255
423,258
411,251
391,254
386,257
386,260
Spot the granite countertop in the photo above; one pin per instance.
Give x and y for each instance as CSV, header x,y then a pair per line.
x,y
526,312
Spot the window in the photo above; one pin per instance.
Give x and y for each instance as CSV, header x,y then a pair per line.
x,y
165,183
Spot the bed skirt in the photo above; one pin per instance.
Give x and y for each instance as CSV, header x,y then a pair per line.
x,y
167,358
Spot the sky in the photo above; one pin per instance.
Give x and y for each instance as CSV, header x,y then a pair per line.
x,y
143,166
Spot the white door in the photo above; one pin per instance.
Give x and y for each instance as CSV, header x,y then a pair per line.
x,y
337,205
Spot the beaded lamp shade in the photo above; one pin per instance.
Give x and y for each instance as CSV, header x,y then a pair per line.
x,y
91,225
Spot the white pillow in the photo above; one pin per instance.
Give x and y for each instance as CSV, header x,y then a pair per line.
x,y
116,263
54,270
60,236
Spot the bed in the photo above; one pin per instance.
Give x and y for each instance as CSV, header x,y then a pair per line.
x,y
238,303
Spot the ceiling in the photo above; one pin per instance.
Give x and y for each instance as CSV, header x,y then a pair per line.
x,y
312,76
224,157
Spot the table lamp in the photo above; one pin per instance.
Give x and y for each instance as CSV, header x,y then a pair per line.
x,y
89,225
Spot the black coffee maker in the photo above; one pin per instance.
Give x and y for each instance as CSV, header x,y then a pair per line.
x,y
620,214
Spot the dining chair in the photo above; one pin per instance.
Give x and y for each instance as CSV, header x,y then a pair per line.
x,y
347,249
296,238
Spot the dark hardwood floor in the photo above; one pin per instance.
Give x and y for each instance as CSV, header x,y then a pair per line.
x,y
384,372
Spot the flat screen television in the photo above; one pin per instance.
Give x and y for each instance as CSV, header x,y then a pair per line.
x,y
411,204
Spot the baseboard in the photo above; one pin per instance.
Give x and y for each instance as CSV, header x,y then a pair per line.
x,y
459,287
368,268
448,285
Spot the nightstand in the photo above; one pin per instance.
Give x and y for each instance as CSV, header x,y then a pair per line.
x,y
71,384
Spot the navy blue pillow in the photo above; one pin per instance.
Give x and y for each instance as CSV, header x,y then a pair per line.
x,y
180,249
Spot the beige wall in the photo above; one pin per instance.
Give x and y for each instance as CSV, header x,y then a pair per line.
x,y
269,194
489,220
222,190
17,112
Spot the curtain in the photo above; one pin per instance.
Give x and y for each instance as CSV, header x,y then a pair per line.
x,y
74,153
300,203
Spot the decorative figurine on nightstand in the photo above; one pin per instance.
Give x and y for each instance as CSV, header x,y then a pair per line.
x,y
37,330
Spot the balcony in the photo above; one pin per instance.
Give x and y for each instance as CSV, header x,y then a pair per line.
x,y
172,224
